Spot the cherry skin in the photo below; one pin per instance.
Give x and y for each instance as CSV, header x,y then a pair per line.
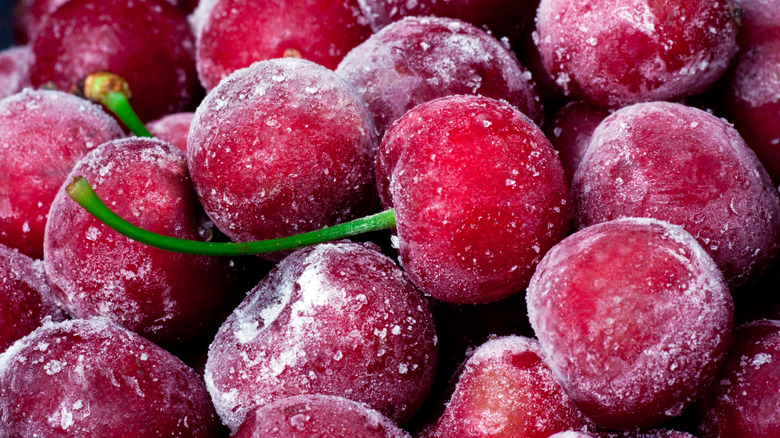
x,y
418,59
147,42
237,33
44,134
173,299
744,398
323,416
282,147
173,128
479,197
338,319
15,69
753,102
506,390
634,319
685,166
618,52
26,298
91,378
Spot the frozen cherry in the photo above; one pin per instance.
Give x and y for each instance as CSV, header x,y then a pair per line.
x,y
91,378
479,196
684,166
760,22
170,298
173,128
316,415
44,134
634,319
15,69
618,52
25,296
419,59
744,399
237,33
338,319
655,433
754,102
570,130
282,147
503,18
506,390
147,42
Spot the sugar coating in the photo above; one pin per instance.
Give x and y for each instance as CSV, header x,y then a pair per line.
x,y
44,134
687,167
15,69
618,52
338,319
237,33
418,59
25,296
169,297
282,147
506,390
634,319
93,378
753,102
744,398
147,42
318,415
172,128
479,197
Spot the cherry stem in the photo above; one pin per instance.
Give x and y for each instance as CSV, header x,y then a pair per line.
x,y
113,92
81,191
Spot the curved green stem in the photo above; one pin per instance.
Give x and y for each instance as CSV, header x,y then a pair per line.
x,y
113,92
81,192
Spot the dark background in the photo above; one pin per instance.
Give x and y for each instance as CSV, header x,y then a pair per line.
x,y
6,11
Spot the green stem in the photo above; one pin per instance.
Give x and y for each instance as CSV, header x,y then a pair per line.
x,y
113,92
81,192
118,104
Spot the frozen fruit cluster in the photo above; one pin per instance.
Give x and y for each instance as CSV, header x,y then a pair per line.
x,y
585,233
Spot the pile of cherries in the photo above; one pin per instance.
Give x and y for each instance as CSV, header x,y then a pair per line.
x,y
580,204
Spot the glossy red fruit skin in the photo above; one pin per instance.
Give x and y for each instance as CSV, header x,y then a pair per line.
x,y
44,134
613,53
173,128
15,69
171,298
25,297
418,59
280,148
323,416
147,42
338,319
570,130
240,32
685,166
479,196
634,319
743,400
506,390
91,378
753,102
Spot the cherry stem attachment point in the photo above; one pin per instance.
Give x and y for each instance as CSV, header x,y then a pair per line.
x,y
81,191
113,92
